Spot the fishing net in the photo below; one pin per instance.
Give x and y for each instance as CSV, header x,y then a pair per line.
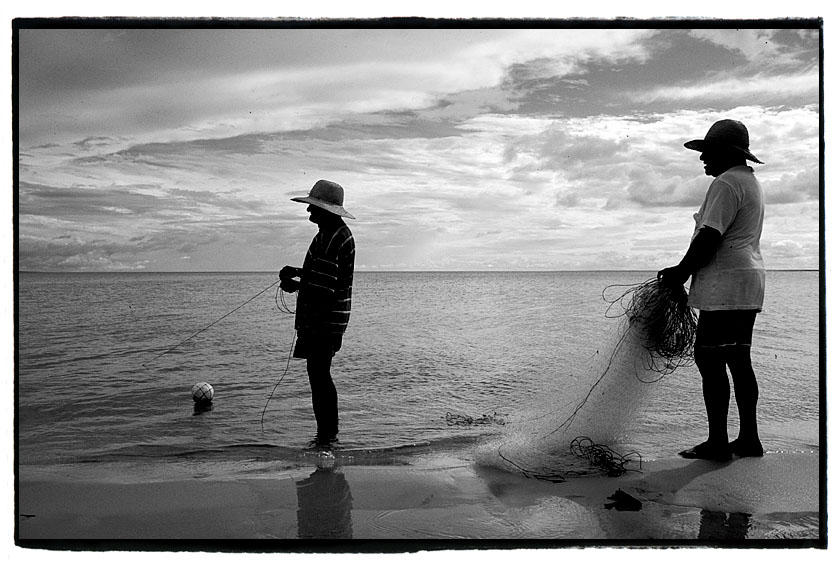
x,y
456,419
659,314
654,338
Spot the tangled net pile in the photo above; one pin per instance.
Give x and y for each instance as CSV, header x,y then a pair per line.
x,y
662,315
656,338
602,456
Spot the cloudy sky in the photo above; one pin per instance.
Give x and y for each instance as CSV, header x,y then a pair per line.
x,y
459,149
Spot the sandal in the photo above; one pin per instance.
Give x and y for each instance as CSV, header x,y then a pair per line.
x,y
742,448
707,450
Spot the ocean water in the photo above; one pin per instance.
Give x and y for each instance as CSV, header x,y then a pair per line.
x,y
431,363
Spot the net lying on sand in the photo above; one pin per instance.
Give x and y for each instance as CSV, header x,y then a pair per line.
x,y
455,419
655,337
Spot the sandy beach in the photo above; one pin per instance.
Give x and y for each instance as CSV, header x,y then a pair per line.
x,y
445,503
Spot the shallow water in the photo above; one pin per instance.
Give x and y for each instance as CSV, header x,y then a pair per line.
x,y
520,346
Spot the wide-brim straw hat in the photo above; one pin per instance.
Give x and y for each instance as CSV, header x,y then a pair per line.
x,y
726,133
327,195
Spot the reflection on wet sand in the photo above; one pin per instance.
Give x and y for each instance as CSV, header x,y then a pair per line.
x,y
324,506
716,525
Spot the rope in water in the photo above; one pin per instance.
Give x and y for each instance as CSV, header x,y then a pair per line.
x,y
208,326
285,372
282,306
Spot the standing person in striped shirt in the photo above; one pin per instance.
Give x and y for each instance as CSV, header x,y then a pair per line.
x,y
324,300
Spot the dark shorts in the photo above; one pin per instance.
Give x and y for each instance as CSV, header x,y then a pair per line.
x,y
316,345
725,327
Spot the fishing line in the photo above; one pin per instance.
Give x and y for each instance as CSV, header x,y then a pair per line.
x,y
270,396
282,306
279,300
205,328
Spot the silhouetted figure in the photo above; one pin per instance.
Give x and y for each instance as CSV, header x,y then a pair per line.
x,y
727,287
324,301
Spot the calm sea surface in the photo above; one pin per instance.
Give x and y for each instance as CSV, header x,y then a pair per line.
x,y
420,346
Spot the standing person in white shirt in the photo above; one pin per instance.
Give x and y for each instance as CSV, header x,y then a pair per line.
x,y
727,287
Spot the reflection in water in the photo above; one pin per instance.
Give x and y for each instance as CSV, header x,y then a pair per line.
x,y
201,407
324,506
721,526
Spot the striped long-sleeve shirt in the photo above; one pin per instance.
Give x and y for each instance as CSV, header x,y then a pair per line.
x,y
325,297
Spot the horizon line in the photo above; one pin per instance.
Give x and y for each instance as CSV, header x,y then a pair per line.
x,y
128,272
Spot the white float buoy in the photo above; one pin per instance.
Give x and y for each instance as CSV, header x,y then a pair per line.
x,y
202,393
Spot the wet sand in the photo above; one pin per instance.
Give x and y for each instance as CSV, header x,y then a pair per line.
x,y
772,501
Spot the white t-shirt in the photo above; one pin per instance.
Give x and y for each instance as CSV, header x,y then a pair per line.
x,y
734,278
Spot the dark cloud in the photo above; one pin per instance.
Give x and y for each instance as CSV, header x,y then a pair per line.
x,y
370,127
601,85
105,206
248,144
94,142
83,204
77,60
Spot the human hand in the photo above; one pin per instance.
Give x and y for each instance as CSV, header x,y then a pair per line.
x,y
673,276
288,272
289,285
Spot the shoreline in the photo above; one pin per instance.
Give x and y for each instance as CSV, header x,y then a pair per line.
x,y
441,503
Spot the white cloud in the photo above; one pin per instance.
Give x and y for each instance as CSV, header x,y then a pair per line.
x,y
438,176
786,248
759,88
222,102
